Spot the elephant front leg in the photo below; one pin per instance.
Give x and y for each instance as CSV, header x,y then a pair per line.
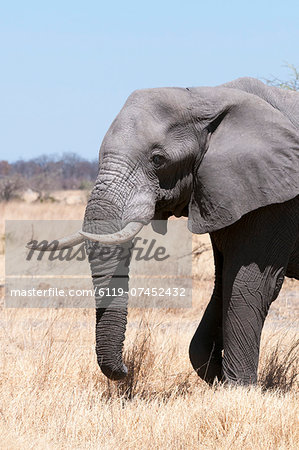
x,y
245,306
205,349
256,252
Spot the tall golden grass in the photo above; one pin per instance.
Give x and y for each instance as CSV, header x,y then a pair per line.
x,y
52,394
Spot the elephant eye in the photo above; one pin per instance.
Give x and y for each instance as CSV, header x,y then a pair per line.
x,y
158,160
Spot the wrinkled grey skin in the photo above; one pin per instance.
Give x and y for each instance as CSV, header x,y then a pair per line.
x,y
228,159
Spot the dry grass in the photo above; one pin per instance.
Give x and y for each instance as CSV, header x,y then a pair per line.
x,y
53,395
280,368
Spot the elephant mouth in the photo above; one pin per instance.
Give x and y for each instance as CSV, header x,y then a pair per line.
x,y
164,209
181,210
159,222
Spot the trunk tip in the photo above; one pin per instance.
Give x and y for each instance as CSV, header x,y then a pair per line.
x,y
114,374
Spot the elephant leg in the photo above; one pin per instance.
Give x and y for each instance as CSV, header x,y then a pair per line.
x,y
206,346
256,252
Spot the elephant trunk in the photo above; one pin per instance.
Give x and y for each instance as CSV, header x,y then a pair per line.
x,y
109,350
107,213
111,315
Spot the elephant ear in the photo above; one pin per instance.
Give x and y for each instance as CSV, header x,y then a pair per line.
x,y
251,161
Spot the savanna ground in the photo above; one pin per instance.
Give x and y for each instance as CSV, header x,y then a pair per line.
x,y
53,396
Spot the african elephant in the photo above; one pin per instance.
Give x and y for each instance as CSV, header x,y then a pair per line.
x,y
226,157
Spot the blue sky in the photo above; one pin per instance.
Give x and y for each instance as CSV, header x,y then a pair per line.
x,y
68,66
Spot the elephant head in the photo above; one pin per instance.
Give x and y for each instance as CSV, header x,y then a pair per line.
x,y
209,153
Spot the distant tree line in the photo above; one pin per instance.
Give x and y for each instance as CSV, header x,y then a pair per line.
x,y
45,174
